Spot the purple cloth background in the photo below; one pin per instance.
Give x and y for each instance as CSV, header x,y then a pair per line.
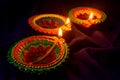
x,y
93,58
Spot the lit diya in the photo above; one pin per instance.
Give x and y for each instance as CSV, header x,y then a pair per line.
x,y
86,16
49,23
34,54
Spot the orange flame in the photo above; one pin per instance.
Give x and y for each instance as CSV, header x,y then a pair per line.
x,y
91,16
67,21
60,32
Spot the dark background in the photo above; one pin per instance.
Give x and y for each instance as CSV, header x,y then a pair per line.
x,y
14,26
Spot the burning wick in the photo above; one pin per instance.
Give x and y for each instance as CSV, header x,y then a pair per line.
x,y
67,23
90,21
60,32
90,16
51,49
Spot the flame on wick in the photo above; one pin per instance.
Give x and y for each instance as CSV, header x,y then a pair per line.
x,y
91,16
60,32
67,21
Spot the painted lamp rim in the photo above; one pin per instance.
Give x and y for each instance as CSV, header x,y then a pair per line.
x,y
16,54
75,11
53,31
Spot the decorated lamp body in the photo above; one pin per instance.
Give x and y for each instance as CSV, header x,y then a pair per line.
x,y
25,52
49,23
86,16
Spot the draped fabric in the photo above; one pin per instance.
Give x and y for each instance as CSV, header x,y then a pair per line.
x,y
94,55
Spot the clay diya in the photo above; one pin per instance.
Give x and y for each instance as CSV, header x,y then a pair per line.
x,y
28,55
86,16
49,23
